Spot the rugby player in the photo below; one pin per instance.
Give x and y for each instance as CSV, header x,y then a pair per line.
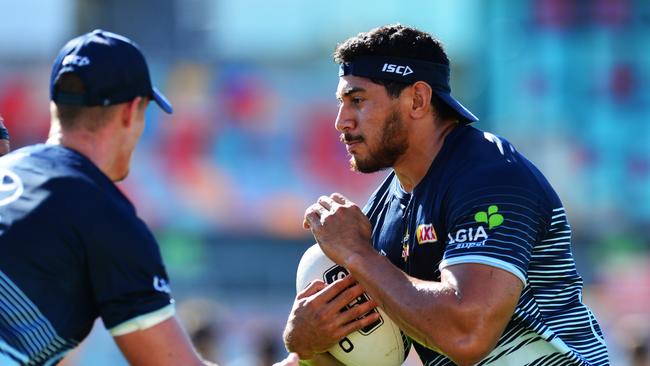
x,y
73,248
465,244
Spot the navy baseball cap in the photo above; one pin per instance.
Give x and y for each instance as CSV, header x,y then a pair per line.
x,y
112,68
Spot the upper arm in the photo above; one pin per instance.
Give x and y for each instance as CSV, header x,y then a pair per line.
x,y
495,219
125,268
164,344
487,295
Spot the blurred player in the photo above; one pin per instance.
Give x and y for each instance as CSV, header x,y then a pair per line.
x,y
4,138
465,244
72,245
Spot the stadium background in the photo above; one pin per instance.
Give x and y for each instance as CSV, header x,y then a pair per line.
x,y
224,181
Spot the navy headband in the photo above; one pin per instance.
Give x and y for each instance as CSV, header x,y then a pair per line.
x,y
399,69
408,71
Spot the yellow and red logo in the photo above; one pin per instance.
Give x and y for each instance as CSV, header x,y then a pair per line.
x,y
426,234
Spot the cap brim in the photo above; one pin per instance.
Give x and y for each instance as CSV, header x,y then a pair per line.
x,y
464,113
161,100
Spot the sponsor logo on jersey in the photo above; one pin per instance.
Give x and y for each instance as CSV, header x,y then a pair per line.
x,y
426,234
491,217
397,69
161,285
11,187
476,236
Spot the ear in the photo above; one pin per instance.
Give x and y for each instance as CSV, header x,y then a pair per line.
x,y
130,111
421,100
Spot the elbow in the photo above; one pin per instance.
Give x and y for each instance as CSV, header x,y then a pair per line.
x,y
470,352
466,350
470,341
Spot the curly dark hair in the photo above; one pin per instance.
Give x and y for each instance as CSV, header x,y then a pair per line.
x,y
398,41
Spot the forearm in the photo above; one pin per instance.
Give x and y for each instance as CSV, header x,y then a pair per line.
x,y
421,308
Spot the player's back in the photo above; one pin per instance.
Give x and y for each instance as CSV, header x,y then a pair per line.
x,y
49,199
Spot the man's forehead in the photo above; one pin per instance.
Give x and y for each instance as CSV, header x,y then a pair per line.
x,y
349,84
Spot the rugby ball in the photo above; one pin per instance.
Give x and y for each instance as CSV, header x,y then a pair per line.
x,y
379,344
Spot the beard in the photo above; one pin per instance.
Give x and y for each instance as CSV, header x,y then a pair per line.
x,y
391,145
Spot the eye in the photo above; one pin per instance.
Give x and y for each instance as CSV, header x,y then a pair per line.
x,y
357,100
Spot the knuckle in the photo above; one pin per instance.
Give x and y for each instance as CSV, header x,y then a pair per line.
x,y
354,292
321,317
343,286
361,309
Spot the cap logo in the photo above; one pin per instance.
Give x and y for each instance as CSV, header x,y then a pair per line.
x,y
75,60
397,69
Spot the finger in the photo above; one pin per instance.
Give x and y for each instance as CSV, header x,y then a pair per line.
x,y
312,288
317,209
356,312
326,202
346,296
339,198
314,208
355,325
335,288
311,221
312,214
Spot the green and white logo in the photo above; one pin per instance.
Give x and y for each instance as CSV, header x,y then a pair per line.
x,y
491,217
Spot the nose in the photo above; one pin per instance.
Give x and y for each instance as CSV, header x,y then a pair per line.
x,y
344,119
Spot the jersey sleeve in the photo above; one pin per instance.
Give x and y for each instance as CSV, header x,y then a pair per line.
x,y
127,275
495,215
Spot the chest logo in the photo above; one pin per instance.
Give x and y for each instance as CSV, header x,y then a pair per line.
x,y
426,234
11,187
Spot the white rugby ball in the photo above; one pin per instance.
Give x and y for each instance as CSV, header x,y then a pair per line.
x,y
379,344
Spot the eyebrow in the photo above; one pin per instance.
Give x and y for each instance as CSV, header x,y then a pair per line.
x,y
349,90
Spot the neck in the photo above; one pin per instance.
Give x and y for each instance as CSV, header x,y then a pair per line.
x,y
423,149
92,144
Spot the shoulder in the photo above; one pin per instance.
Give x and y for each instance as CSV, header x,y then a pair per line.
x,y
64,180
487,168
478,148
483,159
43,173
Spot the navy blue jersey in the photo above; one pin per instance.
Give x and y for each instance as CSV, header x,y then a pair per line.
x,y
72,249
483,202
